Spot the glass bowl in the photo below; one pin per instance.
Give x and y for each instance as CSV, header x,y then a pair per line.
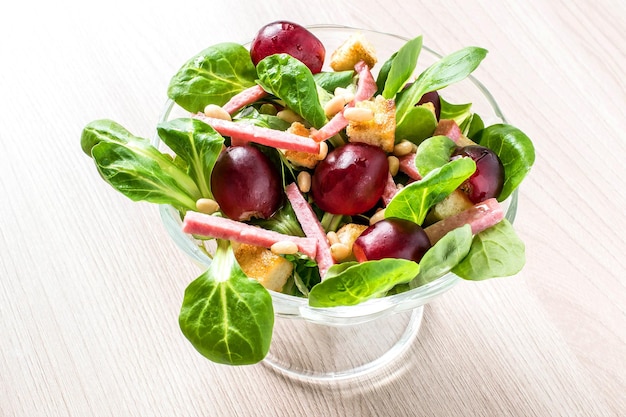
x,y
338,343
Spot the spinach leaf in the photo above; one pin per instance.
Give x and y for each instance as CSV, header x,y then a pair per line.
x,y
433,153
351,283
227,316
457,112
251,115
383,73
290,80
198,144
515,150
418,124
137,169
444,255
329,80
413,201
495,252
212,77
448,70
472,126
402,67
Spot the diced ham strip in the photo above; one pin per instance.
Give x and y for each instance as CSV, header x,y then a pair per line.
x,y
365,89
449,128
366,85
311,226
407,165
249,133
247,96
330,129
390,189
480,217
222,228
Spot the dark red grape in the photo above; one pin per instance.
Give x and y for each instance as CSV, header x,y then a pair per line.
x,y
351,179
246,184
290,38
488,179
432,97
391,238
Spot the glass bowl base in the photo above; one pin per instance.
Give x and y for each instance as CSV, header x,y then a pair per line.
x,y
310,352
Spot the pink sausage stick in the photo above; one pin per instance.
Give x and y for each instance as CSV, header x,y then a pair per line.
x,y
311,226
365,89
407,165
481,216
242,99
249,133
223,228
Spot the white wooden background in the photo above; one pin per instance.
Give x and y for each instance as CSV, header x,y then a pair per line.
x,y
90,285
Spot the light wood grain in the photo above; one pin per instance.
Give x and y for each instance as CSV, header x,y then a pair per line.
x,y
91,285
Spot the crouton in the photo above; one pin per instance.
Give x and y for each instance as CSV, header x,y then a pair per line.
x,y
453,204
299,158
356,48
259,263
379,131
348,233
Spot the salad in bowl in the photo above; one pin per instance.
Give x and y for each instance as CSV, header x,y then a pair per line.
x,y
330,184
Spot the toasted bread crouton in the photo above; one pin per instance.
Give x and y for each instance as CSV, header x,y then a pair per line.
x,y
379,131
348,233
259,263
299,158
356,48
453,204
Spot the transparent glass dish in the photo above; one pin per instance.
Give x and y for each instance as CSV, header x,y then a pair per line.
x,y
339,343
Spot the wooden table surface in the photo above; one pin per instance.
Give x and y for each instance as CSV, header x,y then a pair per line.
x,y
91,285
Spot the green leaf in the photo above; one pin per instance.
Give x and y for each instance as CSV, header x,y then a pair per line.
x,y
212,77
330,80
433,153
351,283
402,67
457,112
472,126
137,169
227,316
448,70
290,80
419,124
444,255
515,150
495,252
413,201
383,73
250,115
198,144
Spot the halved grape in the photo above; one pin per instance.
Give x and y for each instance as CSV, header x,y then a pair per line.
x,y
391,238
290,38
351,179
488,179
246,184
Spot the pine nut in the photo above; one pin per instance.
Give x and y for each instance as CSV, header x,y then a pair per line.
x,y
358,114
378,216
339,251
394,165
323,151
217,112
347,95
207,205
403,148
289,116
304,181
332,237
284,247
334,106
